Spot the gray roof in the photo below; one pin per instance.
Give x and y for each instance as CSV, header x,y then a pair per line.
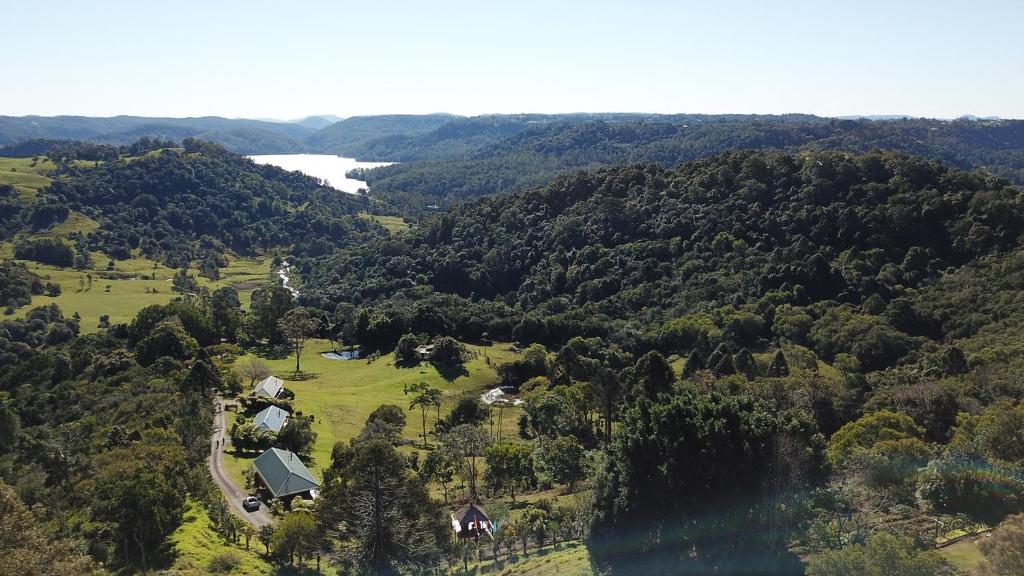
x,y
270,419
283,473
269,386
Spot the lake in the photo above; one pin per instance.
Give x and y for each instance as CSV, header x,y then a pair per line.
x,y
326,167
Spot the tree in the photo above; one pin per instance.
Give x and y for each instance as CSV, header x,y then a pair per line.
x,y
468,409
560,460
448,351
295,535
868,430
386,421
509,468
439,466
27,547
405,351
226,312
255,371
424,397
379,512
297,435
141,505
168,338
882,555
266,536
1004,550
779,366
297,325
269,304
466,443
686,478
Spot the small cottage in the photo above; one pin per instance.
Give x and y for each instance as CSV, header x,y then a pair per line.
x,y
270,419
269,387
470,522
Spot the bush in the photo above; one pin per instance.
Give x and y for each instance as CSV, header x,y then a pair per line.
x,y
47,251
224,562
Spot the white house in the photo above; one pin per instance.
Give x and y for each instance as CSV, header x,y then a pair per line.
x,y
269,387
270,419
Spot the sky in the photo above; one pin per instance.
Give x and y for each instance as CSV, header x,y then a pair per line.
x,y
290,59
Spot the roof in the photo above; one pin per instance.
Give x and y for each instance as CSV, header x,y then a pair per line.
x,y
471,513
269,386
270,419
283,473
470,521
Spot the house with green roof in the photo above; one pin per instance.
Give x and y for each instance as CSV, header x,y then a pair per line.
x,y
282,475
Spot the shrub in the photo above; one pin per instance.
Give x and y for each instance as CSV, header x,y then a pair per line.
x,y
224,562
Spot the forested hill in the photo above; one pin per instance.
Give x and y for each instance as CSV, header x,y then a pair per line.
x,y
440,136
238,135
837,252
536,154
193,203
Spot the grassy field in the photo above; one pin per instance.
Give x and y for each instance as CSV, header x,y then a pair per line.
x,y
26,178
567,559
195,543
393,224
119,293
340,394
133,285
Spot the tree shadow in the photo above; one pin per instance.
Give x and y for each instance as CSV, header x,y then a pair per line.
x,y
407,363
271,352
450,372
302,376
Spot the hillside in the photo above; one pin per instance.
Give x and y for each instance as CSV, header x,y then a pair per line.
x,y
536,154
181,205
345,136
619,253
238,135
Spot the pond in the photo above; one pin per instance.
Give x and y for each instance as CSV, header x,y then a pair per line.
x,y
341,355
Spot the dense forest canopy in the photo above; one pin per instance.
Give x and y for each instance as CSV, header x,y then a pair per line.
x,y
538,152
626,251
192,203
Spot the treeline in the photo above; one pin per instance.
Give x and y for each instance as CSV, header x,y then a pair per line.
x,y
192,204
536,154
239,135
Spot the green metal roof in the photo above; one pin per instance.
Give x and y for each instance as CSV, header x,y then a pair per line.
x,y
283,473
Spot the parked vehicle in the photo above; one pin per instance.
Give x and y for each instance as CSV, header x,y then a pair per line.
x,y
251,503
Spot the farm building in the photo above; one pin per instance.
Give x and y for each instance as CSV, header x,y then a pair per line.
x,y
281,474
470,521
269,387
270,419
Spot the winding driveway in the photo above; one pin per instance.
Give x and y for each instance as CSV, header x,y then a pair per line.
x,y
232,492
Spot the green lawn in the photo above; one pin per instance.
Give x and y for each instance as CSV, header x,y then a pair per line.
x,y
964,554
340,394
567,559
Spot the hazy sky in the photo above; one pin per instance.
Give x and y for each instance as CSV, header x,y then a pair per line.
x,y
288,59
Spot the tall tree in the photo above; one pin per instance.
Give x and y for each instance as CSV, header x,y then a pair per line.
x,y
380,513
467,444
424,397
297,325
